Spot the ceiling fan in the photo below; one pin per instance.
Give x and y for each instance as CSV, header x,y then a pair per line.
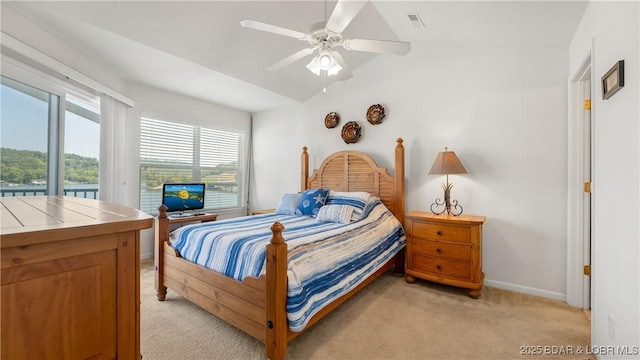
x,y
325,36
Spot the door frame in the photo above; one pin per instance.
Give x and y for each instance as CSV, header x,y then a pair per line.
x,y
579,240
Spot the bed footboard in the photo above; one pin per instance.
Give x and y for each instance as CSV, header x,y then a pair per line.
x,y
256,306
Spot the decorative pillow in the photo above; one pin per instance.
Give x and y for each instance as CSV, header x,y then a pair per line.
x,y
311,202
335,213
373,202
288,204
357,199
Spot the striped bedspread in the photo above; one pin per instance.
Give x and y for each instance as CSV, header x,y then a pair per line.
x,y
326,259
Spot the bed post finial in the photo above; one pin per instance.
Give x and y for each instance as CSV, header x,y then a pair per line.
x,y
276,286
162,211
304,169
276,230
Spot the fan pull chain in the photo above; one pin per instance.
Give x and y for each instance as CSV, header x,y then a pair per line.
x,y
324,82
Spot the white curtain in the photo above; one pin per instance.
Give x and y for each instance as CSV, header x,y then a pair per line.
x,y
113,150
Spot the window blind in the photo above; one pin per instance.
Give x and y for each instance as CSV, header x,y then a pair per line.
x,y
172,152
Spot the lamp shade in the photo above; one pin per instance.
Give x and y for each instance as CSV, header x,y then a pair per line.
x,y
447,163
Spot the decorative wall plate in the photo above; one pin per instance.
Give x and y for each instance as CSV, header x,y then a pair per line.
x,y
375,113
331,120
351,132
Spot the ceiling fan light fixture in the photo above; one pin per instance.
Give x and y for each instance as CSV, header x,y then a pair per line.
x,y
326,61
314,66
334,69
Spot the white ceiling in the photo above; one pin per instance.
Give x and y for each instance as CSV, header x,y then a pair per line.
x,y
199,48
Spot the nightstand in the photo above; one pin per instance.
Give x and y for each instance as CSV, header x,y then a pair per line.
x,y
445,249
264,211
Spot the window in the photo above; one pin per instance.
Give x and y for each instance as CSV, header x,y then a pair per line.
x,y
24,152
81,147
36,158
173,153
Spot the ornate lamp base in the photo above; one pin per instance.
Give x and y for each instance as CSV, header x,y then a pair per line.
x,y
457,209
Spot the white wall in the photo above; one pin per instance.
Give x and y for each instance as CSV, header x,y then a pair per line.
x,y
502,110
610,32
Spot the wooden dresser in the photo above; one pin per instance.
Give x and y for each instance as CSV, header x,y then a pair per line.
x,y
70,278
445,249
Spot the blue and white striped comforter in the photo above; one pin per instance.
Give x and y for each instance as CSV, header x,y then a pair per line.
x,y
326,260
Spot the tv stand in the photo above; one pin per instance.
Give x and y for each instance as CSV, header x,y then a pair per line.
x,y
180,215
190,217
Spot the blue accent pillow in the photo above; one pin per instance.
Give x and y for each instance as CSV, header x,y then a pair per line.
x,y
311,202
288,204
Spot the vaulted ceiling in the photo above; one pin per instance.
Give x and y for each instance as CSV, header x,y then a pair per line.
x,y
199,48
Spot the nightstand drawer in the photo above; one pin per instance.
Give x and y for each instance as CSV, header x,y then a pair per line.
x,y
441,250
441,232
448,268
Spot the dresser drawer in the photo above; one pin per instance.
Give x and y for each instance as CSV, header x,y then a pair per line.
x,y
449,268
441,232
441,250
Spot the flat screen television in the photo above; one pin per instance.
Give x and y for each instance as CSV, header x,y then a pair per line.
x,y
183,197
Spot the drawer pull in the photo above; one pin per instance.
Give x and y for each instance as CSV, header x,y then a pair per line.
x,y
438,267
438,232
439,251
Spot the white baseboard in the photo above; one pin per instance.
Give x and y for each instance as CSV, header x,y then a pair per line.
x,y
526,290
492,283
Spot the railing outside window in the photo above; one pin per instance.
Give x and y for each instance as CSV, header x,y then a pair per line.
x,y
84,192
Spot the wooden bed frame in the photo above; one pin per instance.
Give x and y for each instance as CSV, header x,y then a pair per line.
x,y
257,306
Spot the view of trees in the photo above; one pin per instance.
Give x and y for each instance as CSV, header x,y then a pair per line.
x,y
154,176
22,167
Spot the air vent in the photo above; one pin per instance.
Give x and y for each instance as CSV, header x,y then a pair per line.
x,y
416,20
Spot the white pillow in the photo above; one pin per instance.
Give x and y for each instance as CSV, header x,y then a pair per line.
x,y
288,204
356,199
335,213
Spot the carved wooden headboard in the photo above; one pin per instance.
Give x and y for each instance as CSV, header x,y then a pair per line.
x,y
350,170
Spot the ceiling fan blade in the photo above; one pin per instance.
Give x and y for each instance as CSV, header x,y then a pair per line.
x,y
343,14
378,46
344,73
257,25
291,59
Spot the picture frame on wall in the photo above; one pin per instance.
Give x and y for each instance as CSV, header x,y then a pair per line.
x,y
613,80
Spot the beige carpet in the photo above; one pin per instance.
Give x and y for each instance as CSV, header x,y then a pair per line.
x,y
389,319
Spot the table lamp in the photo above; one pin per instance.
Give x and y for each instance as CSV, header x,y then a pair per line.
x,y
447,163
